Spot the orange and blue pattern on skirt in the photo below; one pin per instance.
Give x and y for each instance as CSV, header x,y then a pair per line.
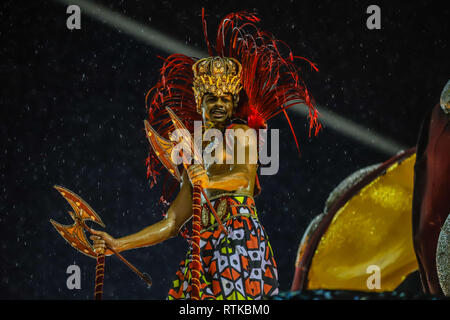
x,y
237,266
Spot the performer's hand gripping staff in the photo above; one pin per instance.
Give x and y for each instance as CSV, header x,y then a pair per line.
x,y
197,175
75,236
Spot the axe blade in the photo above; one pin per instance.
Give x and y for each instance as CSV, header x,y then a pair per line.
x,y
74,235
163,150
81,208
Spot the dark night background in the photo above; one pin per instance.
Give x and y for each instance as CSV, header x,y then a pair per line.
x,y
72,107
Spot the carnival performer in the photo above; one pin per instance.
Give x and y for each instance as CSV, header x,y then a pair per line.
x,y
248,78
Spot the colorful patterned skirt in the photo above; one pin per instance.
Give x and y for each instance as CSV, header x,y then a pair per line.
x,y
237,266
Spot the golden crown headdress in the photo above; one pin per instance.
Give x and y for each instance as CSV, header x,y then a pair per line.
x,y
216,75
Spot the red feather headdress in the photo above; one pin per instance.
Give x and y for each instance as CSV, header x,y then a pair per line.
x,y
270,80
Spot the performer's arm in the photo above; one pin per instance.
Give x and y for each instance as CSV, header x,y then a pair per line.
x,y
179,212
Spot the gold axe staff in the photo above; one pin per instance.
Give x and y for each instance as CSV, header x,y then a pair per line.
x,y
163,149
75,236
